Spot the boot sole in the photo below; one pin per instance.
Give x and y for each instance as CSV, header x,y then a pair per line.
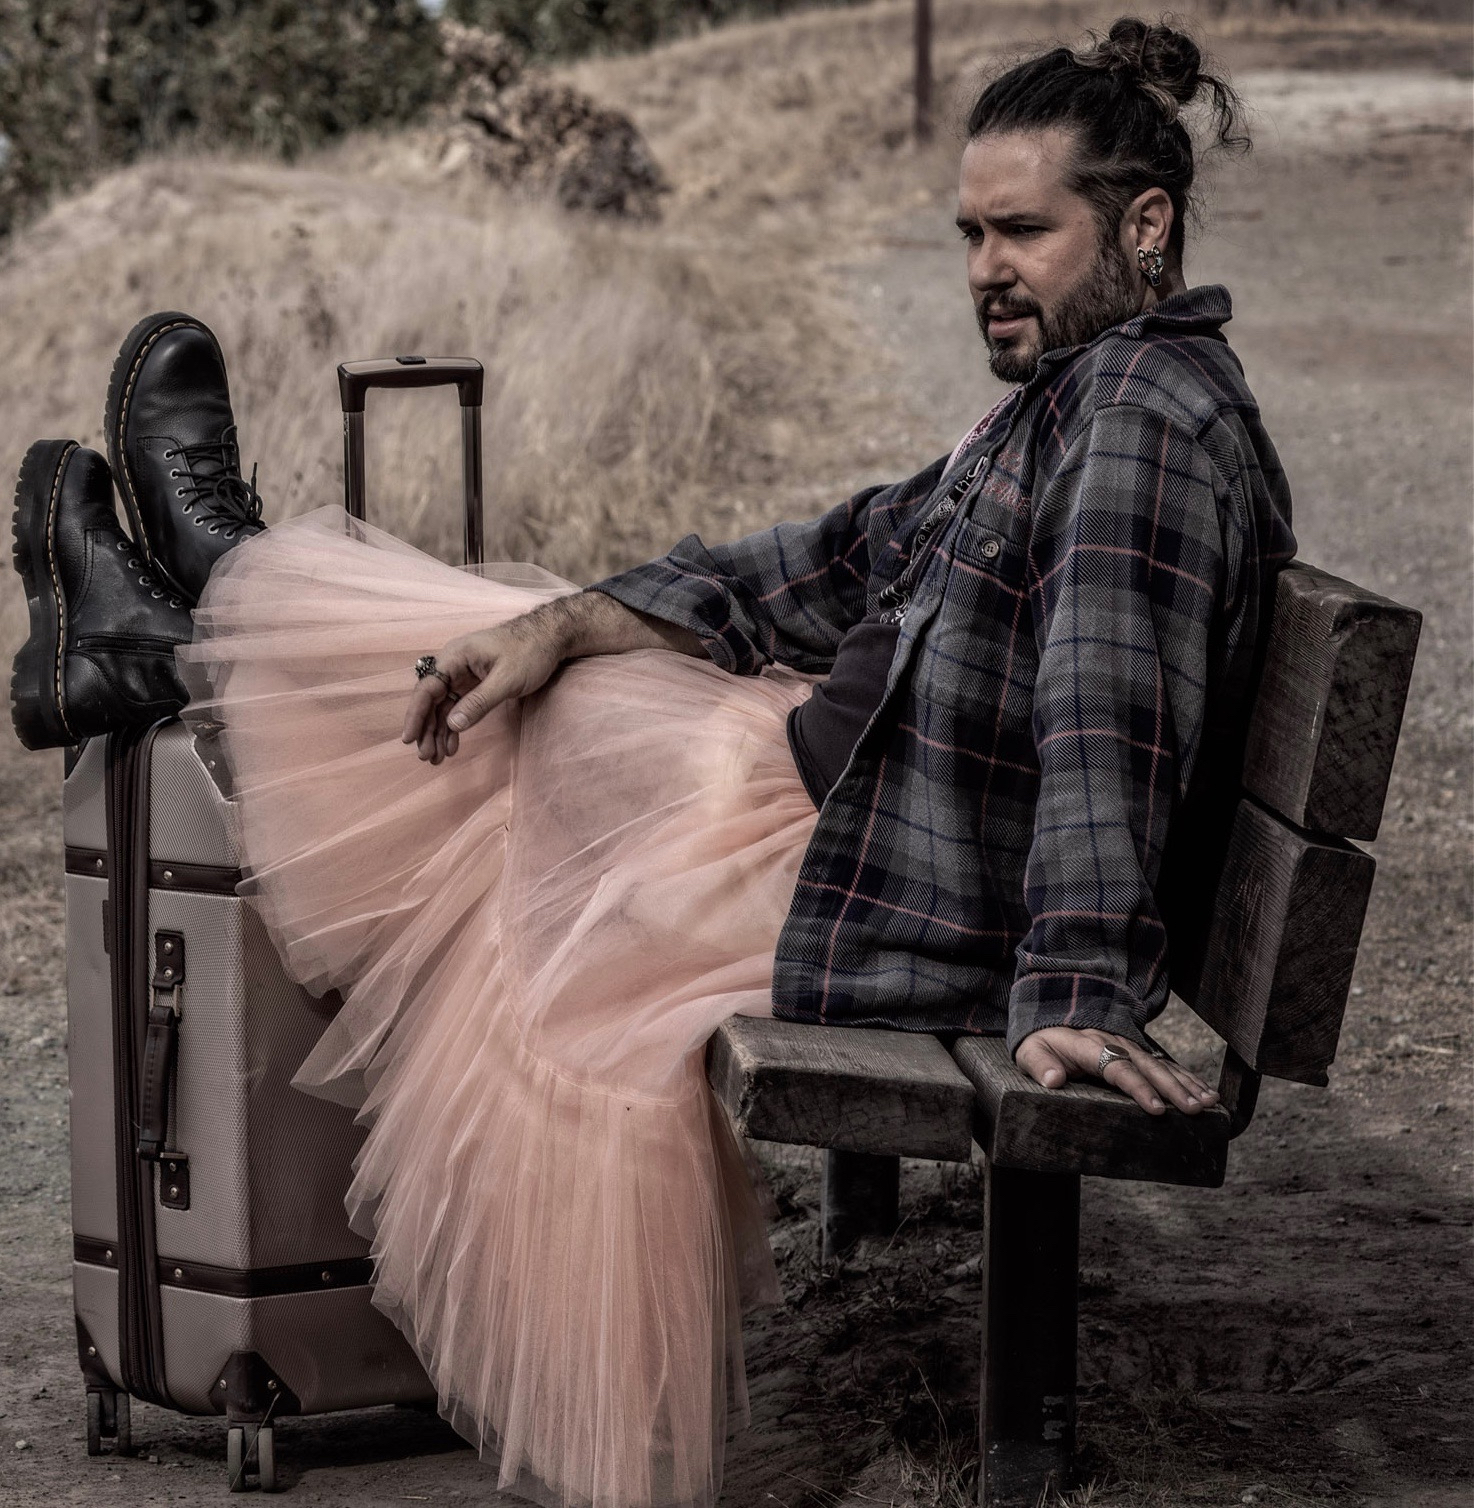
x,y
136,346
37,702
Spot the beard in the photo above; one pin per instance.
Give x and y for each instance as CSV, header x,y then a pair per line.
x,y
1106,296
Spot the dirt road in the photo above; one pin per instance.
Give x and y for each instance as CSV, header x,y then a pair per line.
x,y
1297,1336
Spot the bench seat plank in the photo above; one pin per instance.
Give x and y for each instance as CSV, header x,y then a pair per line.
x,y
1085,1128
858,1089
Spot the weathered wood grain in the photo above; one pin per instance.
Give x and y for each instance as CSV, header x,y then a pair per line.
x,y
1286,926
1330,702
858,1089
1085,1127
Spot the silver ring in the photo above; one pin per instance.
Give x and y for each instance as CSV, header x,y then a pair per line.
x,y
1109,1055
425,666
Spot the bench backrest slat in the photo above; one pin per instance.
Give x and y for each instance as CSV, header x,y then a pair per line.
x,y
1330,703
1288,910
1286,924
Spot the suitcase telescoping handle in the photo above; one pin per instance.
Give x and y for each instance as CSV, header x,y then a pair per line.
x,y
355,378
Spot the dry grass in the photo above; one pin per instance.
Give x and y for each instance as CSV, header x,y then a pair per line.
x,y
625,385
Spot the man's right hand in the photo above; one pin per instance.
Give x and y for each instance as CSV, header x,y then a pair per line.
x,y
493,665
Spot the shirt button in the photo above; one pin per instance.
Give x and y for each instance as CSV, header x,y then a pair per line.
x,y
991,547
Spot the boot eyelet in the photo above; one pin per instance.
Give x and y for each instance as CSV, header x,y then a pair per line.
x,y
156,595
213,529
174,473
169,455
187,509
122,544
198,522
132,562
230,533
179,492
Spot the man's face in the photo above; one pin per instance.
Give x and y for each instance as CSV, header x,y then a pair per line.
x,y
1040,272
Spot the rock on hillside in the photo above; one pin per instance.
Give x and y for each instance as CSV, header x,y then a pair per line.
x,y
521,127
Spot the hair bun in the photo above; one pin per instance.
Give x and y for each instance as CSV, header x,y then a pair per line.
x,y
1164,64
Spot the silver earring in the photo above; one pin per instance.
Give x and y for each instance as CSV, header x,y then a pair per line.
x,y
1151,261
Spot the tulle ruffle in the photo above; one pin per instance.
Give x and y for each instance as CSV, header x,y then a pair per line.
x,y
533,942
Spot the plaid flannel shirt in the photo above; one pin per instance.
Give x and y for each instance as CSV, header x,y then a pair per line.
x,y
1073,666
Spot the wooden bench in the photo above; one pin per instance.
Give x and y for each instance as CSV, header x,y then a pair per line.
x,y
1271,977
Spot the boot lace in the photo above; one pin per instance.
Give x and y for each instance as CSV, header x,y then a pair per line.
x,y
146,578
215,490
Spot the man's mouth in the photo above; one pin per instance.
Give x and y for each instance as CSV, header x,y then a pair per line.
x,y
1004,322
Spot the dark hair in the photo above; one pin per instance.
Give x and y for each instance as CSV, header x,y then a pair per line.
x,y
1120,98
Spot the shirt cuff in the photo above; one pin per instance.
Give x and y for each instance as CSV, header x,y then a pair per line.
x,y
689,602
1075,1000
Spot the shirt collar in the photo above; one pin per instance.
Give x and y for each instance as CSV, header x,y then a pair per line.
x,y
1201,309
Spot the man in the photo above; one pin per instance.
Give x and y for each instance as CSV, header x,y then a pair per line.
x,y
1039,649
1075,596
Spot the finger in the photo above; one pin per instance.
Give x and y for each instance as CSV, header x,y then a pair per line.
x,y
497,687
1174,1083
1126,1076
425,744
1195,1086
1203,1092
421,707
431,690
1042,1063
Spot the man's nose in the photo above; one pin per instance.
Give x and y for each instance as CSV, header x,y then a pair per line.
x,y
988,269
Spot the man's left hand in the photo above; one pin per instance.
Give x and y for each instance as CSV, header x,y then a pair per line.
x,y
1053,1055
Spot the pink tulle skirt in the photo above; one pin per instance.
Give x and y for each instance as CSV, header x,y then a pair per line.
x,y
533,942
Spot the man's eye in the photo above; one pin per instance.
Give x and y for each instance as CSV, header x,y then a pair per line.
x,y
970,233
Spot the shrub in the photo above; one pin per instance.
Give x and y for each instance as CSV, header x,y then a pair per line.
x,y
570,28
86,84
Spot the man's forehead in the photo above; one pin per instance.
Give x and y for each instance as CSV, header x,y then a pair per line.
x,y
1005,175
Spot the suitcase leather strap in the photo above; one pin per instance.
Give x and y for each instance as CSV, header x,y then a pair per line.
x,y
140,1314
161,1045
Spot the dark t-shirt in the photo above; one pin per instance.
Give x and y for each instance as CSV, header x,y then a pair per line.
x,y
823,731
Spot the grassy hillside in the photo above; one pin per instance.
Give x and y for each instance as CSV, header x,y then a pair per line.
x,y
623,376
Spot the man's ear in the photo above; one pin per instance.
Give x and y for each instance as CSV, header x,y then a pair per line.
x,y
1148,220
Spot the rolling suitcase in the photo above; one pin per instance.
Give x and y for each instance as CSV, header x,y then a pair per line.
x,y
213,1268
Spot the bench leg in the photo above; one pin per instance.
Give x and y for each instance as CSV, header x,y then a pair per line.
x,y
861,1197
1030,1283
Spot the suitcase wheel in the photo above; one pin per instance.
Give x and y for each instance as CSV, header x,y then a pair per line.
x,y
259,1449
108,1418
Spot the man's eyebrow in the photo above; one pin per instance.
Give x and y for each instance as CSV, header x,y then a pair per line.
x,y
1006,217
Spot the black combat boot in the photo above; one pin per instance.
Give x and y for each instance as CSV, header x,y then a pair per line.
x,y
103,629
171,438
